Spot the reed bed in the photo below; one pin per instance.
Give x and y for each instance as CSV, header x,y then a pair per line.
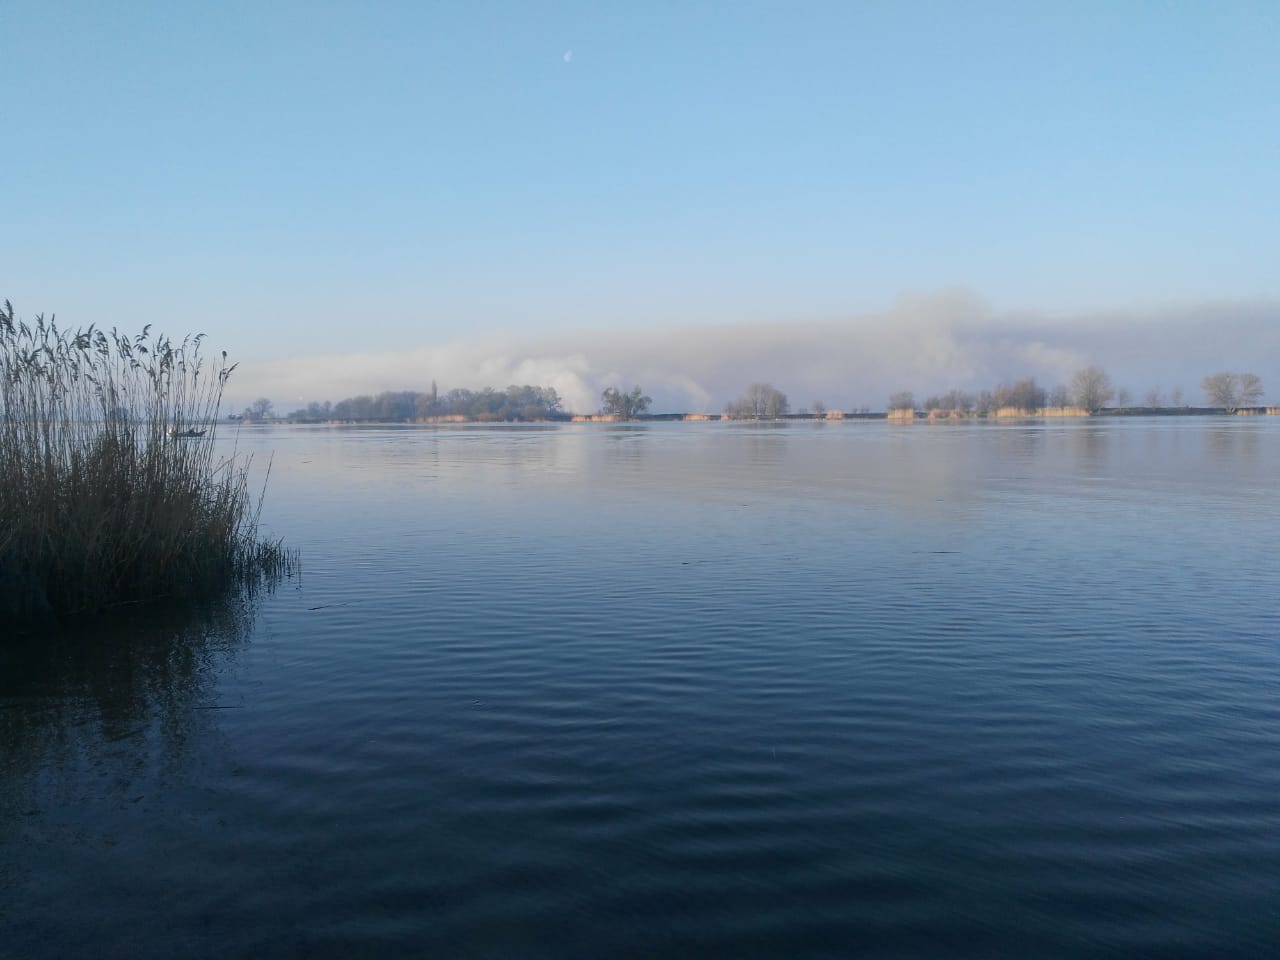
x,y
110,489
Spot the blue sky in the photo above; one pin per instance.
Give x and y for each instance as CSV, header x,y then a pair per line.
x,y
320,179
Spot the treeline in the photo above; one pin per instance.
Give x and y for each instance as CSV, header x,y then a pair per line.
x,y
1090,390
515,403
1022,395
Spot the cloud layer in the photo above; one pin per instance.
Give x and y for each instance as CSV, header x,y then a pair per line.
x,y
926,344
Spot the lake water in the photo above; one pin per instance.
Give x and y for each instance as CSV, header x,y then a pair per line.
x,y
691,690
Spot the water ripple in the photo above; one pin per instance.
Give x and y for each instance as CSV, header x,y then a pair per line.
x,y
719,692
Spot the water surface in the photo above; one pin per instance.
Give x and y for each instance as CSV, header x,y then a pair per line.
x,y
698,689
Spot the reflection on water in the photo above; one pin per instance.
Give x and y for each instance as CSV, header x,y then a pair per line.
x,y
138,687
1226,444
699,690
1089,449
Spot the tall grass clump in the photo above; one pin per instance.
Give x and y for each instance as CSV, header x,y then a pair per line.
x,y
110,492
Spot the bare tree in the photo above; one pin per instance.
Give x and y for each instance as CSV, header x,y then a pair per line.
x,y
951,400
1123,397
1250,390
904,400
819,408
776,404
1060,396
1092,388
1220,390
1152,400
260,409
762,401
625,406
1231,391
1175,397
1028,395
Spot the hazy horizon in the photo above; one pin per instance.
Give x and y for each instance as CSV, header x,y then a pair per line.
x,y
841,200
926,344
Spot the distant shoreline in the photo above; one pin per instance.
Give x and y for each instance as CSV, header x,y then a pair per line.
x,y
833,416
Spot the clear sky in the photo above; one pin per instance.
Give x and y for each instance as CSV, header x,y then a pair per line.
x,y
317,179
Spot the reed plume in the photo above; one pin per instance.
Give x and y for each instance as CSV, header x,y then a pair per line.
x,y
110,489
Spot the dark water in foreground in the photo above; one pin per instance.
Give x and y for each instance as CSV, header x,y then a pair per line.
x,y
690,690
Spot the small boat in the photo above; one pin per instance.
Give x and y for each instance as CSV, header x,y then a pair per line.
x,y
178,434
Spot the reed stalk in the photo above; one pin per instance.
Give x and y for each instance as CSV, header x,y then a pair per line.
x,y
104,497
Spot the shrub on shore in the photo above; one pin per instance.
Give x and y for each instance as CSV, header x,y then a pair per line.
x,y
110,491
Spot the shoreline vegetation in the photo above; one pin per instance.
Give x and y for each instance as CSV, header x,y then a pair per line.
x,y
1090,394
915,416
110,491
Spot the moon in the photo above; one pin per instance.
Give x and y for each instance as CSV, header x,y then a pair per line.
x,y
568,56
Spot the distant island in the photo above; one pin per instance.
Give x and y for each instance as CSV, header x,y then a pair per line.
x,y
1089,394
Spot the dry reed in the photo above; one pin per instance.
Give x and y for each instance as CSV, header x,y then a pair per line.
x,y
110,490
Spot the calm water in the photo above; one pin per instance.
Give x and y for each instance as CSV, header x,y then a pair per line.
x,y
692,690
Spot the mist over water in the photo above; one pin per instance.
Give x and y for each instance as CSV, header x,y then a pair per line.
x,y
815,689
928,343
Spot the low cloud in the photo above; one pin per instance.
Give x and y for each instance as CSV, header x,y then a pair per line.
x,y
926,344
